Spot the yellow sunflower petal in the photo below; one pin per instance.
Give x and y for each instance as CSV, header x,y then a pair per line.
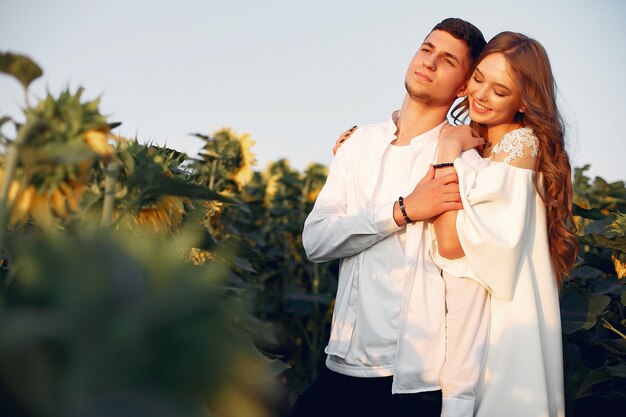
x,y
57,201
98,141
72,193
620,267
22,206
41,213
245,173
14,189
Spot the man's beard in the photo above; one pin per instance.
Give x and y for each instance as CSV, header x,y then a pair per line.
x,y
420,96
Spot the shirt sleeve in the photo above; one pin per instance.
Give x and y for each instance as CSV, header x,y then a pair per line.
x,y
498,202
330,231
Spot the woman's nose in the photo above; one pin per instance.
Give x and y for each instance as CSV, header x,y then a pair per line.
x,y
481,93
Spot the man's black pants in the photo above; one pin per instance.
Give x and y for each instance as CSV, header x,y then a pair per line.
x,y
333,394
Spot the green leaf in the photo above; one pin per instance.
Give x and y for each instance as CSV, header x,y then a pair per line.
x,y
598,226
597,239
60,153
180,188
586,271
617,370
594,377
24,69
615,347
580,309
601,262
592,213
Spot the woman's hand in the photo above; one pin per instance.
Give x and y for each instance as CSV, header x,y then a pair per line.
x,y
342,138
460,138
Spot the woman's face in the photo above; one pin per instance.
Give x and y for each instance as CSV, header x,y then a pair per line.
x,y
493,92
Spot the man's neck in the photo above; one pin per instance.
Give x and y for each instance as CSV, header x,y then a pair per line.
x,y
417,118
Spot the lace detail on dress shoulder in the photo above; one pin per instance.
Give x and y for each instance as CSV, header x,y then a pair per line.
x,y
513,144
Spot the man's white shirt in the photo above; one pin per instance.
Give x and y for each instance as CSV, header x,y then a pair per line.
x,y
351,221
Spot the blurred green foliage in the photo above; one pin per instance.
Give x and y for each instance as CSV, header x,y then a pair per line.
x,y
98,324
593,301
24,69
119,317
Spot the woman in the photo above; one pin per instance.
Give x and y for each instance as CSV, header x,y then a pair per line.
x,y
513,234
514,230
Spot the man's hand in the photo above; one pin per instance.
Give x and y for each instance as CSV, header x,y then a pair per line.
x,y
430,197
342,138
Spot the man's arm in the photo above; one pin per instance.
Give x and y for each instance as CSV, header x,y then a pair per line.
x,y
331,233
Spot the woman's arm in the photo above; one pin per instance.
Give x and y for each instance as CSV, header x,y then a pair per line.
x,y
452,141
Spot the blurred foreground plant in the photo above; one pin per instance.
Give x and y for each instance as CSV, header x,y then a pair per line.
x,y
99,324
101,313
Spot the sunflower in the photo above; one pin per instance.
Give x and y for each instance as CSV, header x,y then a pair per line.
x,y
312,195
44,208
161,217
315,175
214,210
53,168
244,173
272,183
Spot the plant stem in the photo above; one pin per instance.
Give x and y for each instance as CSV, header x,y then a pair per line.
x,y
213,170
112,170
608,325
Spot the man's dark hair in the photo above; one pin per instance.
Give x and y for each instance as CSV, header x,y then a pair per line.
x,y
465,32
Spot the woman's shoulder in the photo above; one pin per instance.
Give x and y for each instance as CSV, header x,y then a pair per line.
x,y
518,147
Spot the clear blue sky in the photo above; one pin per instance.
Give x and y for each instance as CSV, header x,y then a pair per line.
x,y
295,74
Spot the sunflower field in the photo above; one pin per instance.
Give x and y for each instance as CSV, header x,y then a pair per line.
x,y
137,280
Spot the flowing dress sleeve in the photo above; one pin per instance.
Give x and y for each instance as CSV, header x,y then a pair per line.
x,y
493,225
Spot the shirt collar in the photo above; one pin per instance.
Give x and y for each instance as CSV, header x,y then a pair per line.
x,y
391,128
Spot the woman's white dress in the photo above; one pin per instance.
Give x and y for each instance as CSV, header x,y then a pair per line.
x,y
503,232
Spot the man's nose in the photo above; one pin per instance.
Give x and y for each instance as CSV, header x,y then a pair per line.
x,y
430,62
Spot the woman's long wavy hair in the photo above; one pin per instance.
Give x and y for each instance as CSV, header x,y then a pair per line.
x,y
531,68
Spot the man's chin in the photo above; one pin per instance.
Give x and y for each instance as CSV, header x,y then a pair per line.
x,y
424,96
418,94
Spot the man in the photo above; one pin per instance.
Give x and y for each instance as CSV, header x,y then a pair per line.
x,y
388,339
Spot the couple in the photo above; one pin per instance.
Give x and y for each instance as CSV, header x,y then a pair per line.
x,y
447,301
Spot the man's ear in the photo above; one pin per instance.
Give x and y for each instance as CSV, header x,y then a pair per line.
x,y
462,90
